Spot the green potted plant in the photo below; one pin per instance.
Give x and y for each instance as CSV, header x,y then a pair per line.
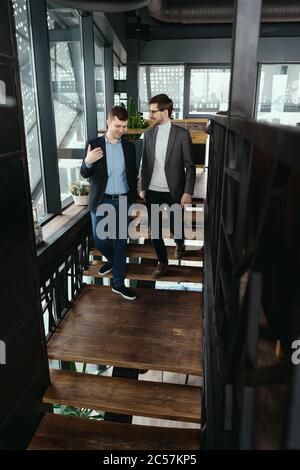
x,y
136,126
37,227
136,122
80,192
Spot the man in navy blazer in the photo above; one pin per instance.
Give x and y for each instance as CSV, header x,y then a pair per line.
x,y
110,165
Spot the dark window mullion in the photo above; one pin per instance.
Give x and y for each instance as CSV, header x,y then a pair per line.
x,y
87,35
49,160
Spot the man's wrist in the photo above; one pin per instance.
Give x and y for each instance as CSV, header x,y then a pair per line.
x,y
89,165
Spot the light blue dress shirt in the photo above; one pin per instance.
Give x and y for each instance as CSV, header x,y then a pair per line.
x,y
116,170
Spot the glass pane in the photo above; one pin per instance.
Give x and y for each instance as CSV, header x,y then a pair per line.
x,y
120,98
120,72
209,90
123,72
100,85
68,91
279,94
29,105
155,79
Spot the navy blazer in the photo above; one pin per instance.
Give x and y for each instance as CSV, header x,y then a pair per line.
x,y
98,176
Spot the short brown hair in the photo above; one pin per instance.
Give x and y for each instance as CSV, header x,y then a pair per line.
x,y
163,102
118,112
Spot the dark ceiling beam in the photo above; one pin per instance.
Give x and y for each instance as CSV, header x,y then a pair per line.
x,y
205,31
220,11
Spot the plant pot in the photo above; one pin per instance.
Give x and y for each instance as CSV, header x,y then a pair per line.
x,y
38,234
81,200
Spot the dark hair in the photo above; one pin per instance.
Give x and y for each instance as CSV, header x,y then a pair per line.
x,y
163,102
118,112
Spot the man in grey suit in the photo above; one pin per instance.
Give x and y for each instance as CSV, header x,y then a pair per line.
x,y
167,174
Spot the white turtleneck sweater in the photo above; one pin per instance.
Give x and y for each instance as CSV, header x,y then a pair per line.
x,y
158,181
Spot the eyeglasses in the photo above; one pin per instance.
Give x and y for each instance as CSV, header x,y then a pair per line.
x,y
151,111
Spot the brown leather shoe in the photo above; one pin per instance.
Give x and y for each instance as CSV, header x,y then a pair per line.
x,y
179,250
160,270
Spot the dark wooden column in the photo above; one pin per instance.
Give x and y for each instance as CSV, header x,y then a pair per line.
x,y
24,373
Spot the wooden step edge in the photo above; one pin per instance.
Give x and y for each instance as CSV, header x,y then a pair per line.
x,y
134,397
141,272
59,432
141,289
101,359
139,251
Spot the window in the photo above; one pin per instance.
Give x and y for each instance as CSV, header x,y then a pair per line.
x,y
279,94
100,85
68,92
2,92
29,105
208,90
155,79
120,73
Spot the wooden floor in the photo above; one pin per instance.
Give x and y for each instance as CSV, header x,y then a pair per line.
x,y
159,331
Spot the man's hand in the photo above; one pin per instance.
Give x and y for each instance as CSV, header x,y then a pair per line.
x,y
142,194
93,155
186,199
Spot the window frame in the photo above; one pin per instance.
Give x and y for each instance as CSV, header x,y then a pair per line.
x,y
187,88
171,64
258,81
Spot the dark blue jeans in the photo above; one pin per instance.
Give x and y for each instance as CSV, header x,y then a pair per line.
x,y
113,247
156,197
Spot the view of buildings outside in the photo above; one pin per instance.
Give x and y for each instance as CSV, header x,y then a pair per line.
x,y
29,101
208,90
279,94
155,79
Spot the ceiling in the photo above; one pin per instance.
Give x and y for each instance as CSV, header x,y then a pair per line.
x,y
189,22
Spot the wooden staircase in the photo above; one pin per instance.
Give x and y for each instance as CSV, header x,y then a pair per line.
x,y
160,331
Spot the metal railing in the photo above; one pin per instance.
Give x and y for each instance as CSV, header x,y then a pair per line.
x,y
60,272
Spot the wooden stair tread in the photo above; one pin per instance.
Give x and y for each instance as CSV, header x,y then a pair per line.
x,y
160,330
58,432
192,253
125,396
144,272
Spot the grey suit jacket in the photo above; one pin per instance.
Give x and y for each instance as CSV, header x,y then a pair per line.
x,y
179,167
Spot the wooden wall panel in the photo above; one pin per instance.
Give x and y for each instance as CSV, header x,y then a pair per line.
x,y
25,374
9,110
5,33
24,357
14,201
25,417
15,307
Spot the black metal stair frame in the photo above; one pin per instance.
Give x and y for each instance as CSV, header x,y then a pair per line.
x,y
252,224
